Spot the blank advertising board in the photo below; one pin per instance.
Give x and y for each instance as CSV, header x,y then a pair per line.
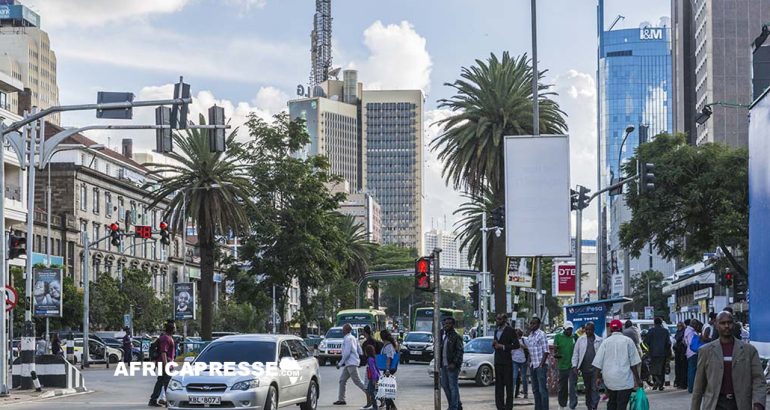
x,y
537,196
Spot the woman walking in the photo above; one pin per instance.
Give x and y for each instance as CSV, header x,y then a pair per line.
x,y
389,349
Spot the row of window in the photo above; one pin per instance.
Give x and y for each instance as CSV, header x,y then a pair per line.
x,y
110,207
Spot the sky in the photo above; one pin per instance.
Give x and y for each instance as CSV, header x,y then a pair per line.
x,y
250,55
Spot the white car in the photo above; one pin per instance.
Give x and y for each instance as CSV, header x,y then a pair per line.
x,y
300,386
330,348
478,362
98,352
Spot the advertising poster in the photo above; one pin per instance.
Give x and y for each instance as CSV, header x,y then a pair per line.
x,y
564,279
580,315
517,272
184,301
47,292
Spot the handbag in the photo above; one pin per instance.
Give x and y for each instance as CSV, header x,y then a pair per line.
x,y
382,361
695,343
639,401
387,388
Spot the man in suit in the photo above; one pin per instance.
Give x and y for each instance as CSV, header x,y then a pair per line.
x,y
729,374
504,342
659,341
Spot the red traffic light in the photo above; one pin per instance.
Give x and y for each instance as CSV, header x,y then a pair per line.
x,y
163,226
423,266
728,276
114,227
422,274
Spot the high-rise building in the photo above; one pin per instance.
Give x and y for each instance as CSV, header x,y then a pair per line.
x,y
393,134
26,56
451,258
635,89
712,63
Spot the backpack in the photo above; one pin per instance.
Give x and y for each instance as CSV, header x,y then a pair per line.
x,y
155,350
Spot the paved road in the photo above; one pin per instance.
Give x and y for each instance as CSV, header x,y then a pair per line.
x,y
415,392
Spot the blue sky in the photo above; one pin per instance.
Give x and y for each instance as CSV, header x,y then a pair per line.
x,y
249,55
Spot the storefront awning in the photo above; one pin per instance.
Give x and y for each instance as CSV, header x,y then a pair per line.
x,y
705,277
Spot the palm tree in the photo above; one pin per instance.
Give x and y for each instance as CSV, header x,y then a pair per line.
x,y
356,246
213,190
493,99
470,224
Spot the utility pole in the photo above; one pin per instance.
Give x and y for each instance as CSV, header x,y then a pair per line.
x,y
536,128
578,254
437,328
28,341
483,290
3,264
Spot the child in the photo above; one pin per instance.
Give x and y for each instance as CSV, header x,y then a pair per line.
x,y
373,375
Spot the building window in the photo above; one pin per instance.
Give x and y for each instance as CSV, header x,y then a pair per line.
x,y
83,231
107,168
83,197
108,204
97,229
121,209
97,203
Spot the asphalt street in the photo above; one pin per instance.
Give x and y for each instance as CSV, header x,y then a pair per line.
x,y
414,385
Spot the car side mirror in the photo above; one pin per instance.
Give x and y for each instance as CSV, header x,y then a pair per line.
x,y
189,359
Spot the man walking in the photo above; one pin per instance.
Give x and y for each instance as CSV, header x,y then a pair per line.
x,y
504,342
616,365
692,340
167,352
729,375
349,362
520,357
582,361
680,360
451,354
128,346
538,354
564,345
659,342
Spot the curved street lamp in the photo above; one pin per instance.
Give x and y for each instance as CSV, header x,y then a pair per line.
x,y
706,111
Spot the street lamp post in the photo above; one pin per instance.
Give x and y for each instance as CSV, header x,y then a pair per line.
x,y
484,290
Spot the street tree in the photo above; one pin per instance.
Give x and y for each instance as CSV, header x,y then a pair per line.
x,y
699,204
492,99
640,284
218,194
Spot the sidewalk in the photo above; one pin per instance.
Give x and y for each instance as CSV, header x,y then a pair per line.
x,y
22,396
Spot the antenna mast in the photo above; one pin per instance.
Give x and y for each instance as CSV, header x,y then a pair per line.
x,y
321,38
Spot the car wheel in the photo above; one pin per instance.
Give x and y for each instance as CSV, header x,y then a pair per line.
x,y
484,376
114,358
311,403
272,399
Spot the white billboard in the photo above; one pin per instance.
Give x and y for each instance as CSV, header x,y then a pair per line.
x,y
537,196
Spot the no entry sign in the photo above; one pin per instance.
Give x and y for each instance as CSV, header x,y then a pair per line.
x,y
11,298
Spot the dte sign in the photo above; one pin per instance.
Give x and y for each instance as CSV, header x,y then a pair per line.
x,y
565,280
651,34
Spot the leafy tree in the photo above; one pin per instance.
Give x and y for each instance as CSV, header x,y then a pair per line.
x,y
390,257
639,286
218,195
107,304
239,317
357,250
700,200
149,311
492,99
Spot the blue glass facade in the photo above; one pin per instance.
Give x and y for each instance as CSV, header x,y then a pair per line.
x,y
635,75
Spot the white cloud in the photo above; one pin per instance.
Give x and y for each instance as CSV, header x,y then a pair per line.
x,y
247,5
398,58
86,13
577,98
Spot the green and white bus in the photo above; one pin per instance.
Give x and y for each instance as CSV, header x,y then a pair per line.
x,y
358,318
423,319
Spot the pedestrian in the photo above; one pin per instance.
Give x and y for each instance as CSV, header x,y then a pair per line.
x,y
564,346
692,340
372,376
349,362
166,355
370,340
709,329
632,332
128,345
729,375
659,342
56,346
389,349
538,354
680,358
519,357
503,342
616,363
473,333
451,354
582,362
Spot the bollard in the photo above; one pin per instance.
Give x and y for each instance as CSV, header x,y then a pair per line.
x,y
70,349
35,381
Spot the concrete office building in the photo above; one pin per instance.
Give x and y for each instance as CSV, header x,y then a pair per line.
x,y
451,258
393,135
635,89
15,178
712,63
366,211
26,55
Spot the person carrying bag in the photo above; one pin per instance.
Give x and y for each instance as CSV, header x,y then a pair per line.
x,y
387,361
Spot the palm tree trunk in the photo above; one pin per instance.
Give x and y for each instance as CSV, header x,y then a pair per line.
x,y
206,246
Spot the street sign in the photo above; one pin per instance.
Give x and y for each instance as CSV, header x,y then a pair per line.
x,y
145,345
144,231
649,312
11,298
127,320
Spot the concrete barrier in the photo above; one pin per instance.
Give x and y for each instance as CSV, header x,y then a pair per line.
x,y
52,371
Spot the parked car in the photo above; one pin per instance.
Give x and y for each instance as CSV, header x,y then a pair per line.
x,y
98,352
330,348
271,391
417,346
478,362
217,335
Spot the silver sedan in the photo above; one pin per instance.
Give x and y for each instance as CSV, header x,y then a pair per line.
x,y
478,362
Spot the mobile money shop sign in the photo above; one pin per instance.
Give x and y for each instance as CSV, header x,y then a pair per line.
x,y
580,315
184,301
517,272
47,292
564,279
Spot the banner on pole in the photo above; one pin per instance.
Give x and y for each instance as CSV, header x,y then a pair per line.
x,y
517,272
564,279
184,301
47,292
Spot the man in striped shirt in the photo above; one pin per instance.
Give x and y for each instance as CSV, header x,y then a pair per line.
x,y
538,354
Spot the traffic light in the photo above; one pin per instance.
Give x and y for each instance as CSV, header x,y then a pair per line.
x,y
217,135
727,278
573,200
579,199
115,235
422,274
164,234
646,177
498,216
474,295
163,138
17,245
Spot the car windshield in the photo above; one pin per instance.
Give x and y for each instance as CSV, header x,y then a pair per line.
x,y
418,337
238,351
479,346
337,333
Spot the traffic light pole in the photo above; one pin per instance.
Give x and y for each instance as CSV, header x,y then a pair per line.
x,y
437,329
3,262
483,287
86,293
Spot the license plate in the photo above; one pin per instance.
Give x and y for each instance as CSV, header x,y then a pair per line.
x,y
335,351
204,399
415,352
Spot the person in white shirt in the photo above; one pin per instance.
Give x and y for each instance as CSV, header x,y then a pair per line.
x,y
349,363
616,365
582,361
